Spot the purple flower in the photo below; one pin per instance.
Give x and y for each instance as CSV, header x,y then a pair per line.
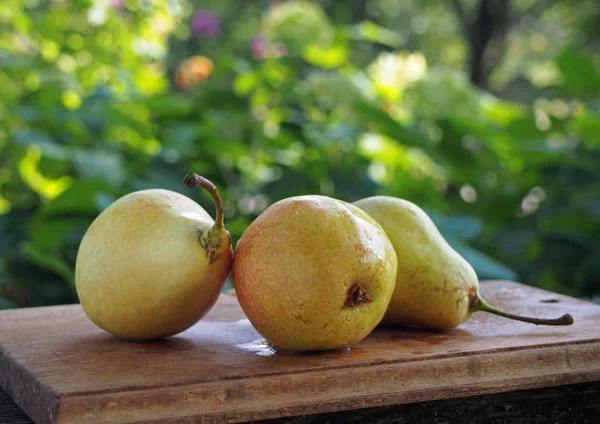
x,y
117,4
205,24
259,46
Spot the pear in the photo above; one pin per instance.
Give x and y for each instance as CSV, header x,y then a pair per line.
x,y
436,287
153,263
314,273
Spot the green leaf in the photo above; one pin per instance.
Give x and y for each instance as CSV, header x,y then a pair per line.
x,y
571,220
387,125
171,105
48,146
101,165
326,57
501,112
9,232
587,126
103,200
459,227
50,261
472,127
78,199
579,74
165,176
525,127
370,31
182,136
244,83
50,233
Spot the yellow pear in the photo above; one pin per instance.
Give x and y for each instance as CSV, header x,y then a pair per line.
x,y
153,263
436,287
314,273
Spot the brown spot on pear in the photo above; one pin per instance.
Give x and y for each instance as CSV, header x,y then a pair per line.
x,y
356,296
306,256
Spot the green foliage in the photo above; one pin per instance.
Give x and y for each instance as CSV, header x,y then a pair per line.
x,y
298,24
365,101
579,75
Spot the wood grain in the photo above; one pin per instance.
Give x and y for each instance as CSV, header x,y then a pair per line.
x,y
59,368
575,403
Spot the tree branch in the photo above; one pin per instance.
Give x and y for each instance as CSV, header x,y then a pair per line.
x,y
490,20
462,17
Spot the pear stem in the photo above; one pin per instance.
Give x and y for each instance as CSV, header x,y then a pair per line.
x,y
482,305
192,180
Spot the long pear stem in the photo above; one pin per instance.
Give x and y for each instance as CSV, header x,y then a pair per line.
x,y
482,305
192,180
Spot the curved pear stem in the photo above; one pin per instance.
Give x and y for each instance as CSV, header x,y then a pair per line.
x,y
482,305
192,180
211,240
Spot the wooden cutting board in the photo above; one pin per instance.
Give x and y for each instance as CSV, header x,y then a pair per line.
x,y
59,368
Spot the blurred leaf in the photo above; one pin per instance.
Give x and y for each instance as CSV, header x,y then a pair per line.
x,y
165,176
48,146
102,201
49,234
181,136
570,220
9,232
470,127
97,164
525,127
579,75
451,151
500,111
297,23
50,261
171,105
457,227
245,83
587,271
370,31
326,57
587,126
387,125
78,199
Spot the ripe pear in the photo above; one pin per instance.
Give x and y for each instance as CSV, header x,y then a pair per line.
x,y
314,273
435,287
153,263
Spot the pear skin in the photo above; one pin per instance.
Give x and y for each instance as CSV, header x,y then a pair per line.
x,y
435,287
314,273
152,264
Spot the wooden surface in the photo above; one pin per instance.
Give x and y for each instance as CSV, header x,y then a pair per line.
x,y
10,412
576,403
58,367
